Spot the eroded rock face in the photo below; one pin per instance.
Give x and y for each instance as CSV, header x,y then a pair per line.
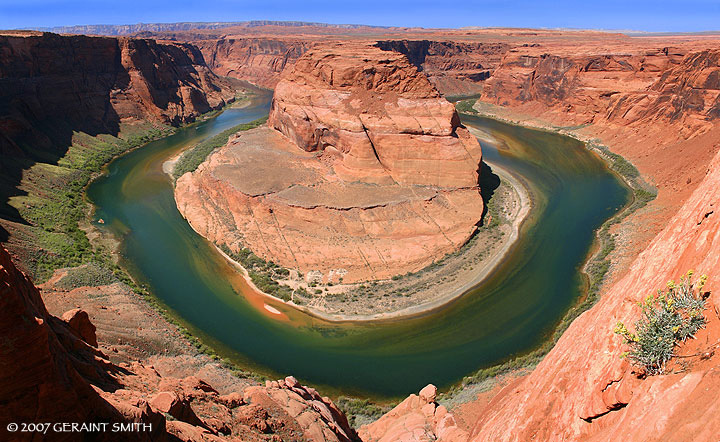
x,y
416,419
687,94
93,84
256,60
49,374
580,83
378,177
583,390
385,120
454,68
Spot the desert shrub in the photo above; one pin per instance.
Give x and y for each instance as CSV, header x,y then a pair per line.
x,y
262,273
266,284
91,274
466,106
361,411
192,158
668,317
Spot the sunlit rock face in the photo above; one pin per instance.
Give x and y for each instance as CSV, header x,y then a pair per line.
x,y
375,111
364,172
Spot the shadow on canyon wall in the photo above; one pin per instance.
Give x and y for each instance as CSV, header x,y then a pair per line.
x,y
488,182
52,87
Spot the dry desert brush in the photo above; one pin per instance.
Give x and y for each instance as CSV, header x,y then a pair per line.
x,y
669,317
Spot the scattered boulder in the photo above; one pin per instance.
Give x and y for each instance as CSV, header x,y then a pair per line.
x,y
79,322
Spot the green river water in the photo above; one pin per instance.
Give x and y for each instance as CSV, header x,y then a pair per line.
x,y
510,313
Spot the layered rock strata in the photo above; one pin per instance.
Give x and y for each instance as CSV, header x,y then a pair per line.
x,y
259,61
364,172
55,85
454,68
52,372
584,390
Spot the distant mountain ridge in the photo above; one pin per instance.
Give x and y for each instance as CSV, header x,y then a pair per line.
x,y
185,26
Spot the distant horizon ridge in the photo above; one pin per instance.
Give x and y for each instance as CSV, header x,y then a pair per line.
x,y
131,28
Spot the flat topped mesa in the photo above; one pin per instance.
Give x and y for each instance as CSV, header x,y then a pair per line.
x,y
381,119
363,172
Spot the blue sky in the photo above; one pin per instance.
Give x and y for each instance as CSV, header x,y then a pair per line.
x,y
658,15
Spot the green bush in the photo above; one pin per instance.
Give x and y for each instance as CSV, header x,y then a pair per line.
x,y
667,318
192,158
263,273
361,411
54,204
91,274
466,107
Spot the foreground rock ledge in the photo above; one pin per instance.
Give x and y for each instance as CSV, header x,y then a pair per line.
x,y
363,173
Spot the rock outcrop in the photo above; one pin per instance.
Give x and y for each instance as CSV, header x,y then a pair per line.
x,y
93,84
259,61
386,121
454,68
687,94
49,374
417,418
579,84
378,179
583,390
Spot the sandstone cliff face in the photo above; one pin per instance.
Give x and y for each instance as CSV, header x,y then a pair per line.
x,y
686,94
53,85
386,121
51,371
612,89
454,68
378,177
584,390
256,60
582,86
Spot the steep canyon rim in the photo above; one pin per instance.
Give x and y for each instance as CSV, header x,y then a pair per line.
x,y
321,352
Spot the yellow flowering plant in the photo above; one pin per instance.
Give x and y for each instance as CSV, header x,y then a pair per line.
x,y
668,317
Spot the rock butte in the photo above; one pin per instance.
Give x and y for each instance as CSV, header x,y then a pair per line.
x,y
363,173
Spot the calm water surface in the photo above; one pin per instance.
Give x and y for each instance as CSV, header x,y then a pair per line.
x,y
510,313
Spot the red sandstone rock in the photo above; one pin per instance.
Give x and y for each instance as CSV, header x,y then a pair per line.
x,y
257,60
417,418
428,393
379,178
93,84
386,121
584,390
320,419
79,321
